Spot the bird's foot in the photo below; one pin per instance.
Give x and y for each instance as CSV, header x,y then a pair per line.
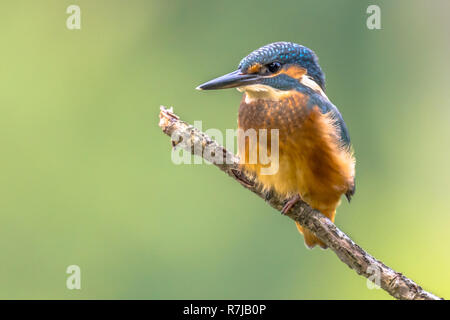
x,y
240,176
268,195
290,203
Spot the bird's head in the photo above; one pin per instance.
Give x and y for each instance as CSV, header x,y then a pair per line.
x,y
279,65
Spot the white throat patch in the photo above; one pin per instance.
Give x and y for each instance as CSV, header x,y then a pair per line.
x,y
261,91
310,83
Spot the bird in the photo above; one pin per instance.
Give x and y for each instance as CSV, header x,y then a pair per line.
x,y
283,89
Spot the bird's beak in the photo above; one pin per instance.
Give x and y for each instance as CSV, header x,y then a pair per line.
x,y
231,80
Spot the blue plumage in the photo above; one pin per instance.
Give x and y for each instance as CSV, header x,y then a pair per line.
x,y
287,53
292,53
284,89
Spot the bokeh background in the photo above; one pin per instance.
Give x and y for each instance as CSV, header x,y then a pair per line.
x,y
87,178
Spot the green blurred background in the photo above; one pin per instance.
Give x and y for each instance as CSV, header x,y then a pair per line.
x,y
87,178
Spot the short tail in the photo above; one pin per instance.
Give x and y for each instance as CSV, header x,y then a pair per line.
x,y
310,239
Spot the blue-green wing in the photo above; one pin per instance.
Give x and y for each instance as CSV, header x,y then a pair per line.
x,y
344,137
327,107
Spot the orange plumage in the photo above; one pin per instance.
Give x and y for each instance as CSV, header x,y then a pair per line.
x,y
312,162
284,90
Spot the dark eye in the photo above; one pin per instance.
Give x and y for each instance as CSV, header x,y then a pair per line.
x,y
274,67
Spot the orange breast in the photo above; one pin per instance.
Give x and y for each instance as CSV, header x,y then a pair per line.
x,y
311,159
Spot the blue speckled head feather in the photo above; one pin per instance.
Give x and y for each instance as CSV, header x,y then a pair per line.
x,y
286,53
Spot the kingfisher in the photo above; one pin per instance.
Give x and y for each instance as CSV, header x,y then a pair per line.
x,y
283,88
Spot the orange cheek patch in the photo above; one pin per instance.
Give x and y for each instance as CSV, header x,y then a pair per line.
x,y
294,71
254,68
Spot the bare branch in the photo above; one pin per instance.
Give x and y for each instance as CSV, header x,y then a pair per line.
x,y
397,285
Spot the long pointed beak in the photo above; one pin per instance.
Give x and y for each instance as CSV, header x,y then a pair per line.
x,y
231,80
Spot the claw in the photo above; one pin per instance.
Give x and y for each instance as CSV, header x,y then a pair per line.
x,y
242,178
290,203
268,195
